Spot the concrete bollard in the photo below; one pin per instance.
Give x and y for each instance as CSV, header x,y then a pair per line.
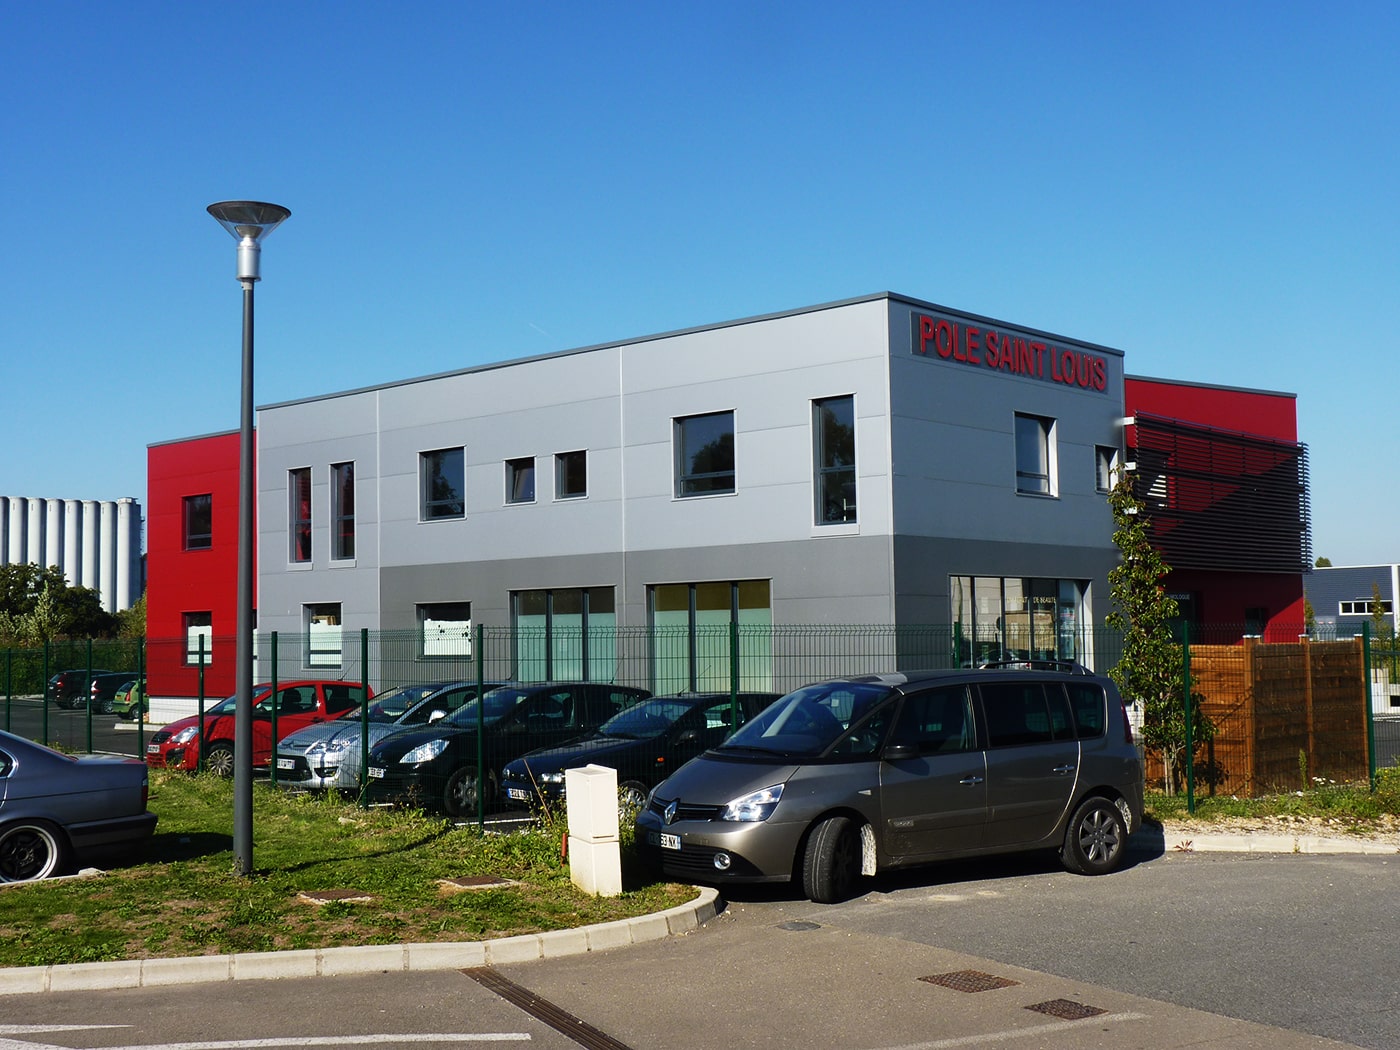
x,y
595,858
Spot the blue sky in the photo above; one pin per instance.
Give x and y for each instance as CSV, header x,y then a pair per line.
x,y
1209,187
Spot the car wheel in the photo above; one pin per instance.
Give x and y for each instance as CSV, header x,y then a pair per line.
x,y
459,794
104,707
1097,838
631,800
219,761
29,851
831,865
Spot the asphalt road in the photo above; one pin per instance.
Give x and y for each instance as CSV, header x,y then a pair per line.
x,y
70,729
1178,950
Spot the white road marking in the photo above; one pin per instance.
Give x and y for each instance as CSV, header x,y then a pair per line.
x,y
372,1039
1011,1034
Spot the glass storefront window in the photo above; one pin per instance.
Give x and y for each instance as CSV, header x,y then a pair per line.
x,y
1018,618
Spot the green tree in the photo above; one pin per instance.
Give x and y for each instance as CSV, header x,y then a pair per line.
x,y
1309,617
131,623
1322,563
1150,670
38,605
1382,633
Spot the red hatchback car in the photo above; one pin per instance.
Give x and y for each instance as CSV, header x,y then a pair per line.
x,y
298,704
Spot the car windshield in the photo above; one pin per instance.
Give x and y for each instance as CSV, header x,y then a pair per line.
x,y
495,705
807,722
648,719
393,704
228,705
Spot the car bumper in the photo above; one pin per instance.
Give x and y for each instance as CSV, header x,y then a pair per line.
x,y
416,787
712,851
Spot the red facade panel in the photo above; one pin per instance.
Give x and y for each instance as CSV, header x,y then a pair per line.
x,y
191,582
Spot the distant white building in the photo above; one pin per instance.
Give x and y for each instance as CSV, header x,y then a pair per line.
x,y
96,543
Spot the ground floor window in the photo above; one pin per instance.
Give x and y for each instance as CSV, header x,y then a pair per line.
x,y
322,634
567,633
1018,618
199,639
691,637
445,630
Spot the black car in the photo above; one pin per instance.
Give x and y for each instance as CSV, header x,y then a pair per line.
x,y
436,766
70,688
103,693
645,744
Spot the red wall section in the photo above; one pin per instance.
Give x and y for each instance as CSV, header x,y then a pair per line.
x,y
181,581
1256,412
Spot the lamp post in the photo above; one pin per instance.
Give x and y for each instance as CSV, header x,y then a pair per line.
x,y
249,222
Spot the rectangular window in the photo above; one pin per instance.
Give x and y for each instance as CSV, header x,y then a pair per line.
x,y
323,641
1362,607
1035,455
299,514
1018,618
445,630
199,522
343,510
199,638
704,454
691,635
834,436
1105,467
520,480
443,484
566,633
570,475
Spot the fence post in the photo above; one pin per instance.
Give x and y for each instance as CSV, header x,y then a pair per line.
x,y
364,712
1370,712
733,675
141,700
9,684
87,698
480,730
199,755
1190,733
44,684
272,771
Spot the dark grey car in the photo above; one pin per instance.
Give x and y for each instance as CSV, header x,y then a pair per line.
x,y
853,776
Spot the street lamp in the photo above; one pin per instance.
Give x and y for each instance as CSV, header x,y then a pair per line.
x,y
249,222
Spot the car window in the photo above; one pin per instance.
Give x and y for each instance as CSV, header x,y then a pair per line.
x,y
1090,706
807,722
340,697
551,710
447,701
6,764
645,720
937,721
1017,714
296,700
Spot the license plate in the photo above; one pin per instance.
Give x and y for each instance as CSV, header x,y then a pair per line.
x,y
376,773
519,794
286,763
152,749
663,839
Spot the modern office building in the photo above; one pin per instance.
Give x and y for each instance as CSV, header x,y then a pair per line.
x,y
96,543
1344,598
875,461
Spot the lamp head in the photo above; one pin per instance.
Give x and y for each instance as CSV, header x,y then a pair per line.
x,y
249,222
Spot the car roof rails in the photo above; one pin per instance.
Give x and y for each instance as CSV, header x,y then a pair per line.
x,y
1066,666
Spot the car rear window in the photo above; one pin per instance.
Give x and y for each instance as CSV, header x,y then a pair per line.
x,y
1090,708
1020,713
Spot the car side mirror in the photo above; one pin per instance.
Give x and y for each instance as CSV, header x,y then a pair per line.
x,y
899,752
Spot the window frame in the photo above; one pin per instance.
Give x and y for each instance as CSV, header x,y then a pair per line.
x,y
430,466
422,612
312,656
299,516
1033,482
198,624
687,482
562,472
343,511
1106,458
516,469
188,512
823,470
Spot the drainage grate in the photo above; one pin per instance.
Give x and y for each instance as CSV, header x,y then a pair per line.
x,y
969,981
1066,1009
584,1034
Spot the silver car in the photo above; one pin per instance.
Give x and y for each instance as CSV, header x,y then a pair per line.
x,y
850,777
327,755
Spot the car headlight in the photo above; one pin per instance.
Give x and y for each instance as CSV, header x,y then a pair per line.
x,y
551,778
424,752
335,747
755,806
185,735
314,749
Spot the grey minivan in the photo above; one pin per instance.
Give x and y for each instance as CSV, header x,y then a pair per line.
x,y
857,775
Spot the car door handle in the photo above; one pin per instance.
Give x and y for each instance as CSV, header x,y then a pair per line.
x,y
971,781
1063,770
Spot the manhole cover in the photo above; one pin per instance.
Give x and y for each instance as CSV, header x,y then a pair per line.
x,y
1066,1009
969,981
798,926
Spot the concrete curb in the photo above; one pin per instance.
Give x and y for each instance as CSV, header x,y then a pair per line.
x,y
375,958
1182,839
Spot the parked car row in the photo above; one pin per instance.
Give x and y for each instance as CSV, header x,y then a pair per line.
x,y
104,692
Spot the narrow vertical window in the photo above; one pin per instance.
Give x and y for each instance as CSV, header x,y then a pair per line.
x,y
199,522
1105,465
323,641
834,436
343,510
443,484
1035,455
520,480
199,638
299,513
571,475
704,453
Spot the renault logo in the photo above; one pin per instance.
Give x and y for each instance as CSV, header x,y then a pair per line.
x,y
669,813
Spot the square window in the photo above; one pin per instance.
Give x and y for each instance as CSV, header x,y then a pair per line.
x,y
704,454
323,634
1105,467
299,514
343,510
520,480
834,437
199,638
570,475
445,629
443,484
199,522
1035,455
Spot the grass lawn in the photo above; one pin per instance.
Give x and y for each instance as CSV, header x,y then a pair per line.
x,y
180,897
